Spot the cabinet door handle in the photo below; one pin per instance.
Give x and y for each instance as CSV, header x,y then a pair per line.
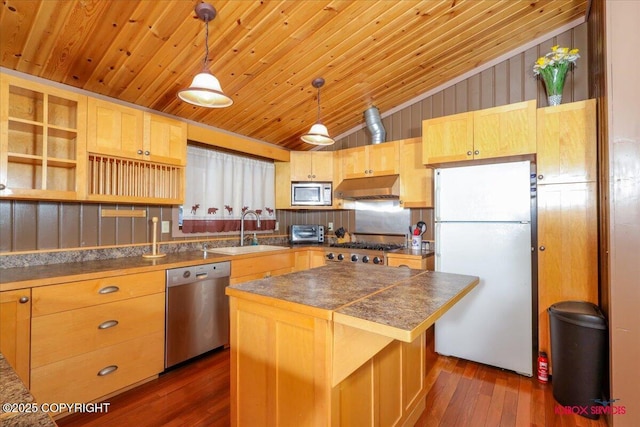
x,y
108,324
108,370
108,290
542,248
469,153
3,187
476,152
146,153
139,151
23,300
541,177
309,176
313,176
370,170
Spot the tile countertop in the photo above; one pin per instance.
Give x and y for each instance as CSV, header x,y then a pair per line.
x,y
18,405
398,303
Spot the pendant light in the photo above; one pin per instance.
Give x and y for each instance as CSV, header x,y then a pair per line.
x,y
318,134
205,90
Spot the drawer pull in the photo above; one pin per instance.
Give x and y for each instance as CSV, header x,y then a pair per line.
x,y
108,370
108,324
109,290
23,300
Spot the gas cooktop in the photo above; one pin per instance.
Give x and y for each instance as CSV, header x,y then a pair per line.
x,y
367,246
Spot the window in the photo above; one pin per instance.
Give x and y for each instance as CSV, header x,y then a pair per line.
x,y
220,187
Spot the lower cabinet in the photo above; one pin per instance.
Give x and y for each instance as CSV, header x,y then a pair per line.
x,y
15,330
306,259
94,337
384,389
289,368
412,261
245,269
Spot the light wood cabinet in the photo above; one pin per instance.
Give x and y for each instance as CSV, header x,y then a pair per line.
x,y
125,132
306,259
245,269
321,166
447,139
362,398
165,139
42,141
15,330
412,261
567,209
101,322
284,365
567,143
134,156
508,130
114,129
283,185
312,165
416,180
370,160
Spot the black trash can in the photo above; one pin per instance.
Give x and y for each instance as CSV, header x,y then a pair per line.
x,y
578,354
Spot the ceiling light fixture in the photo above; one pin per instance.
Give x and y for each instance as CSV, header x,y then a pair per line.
x,y
318,134
205,90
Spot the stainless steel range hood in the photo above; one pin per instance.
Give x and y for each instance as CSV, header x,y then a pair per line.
x,y
376,187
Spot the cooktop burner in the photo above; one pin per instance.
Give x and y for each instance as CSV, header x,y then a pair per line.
x,y
367,245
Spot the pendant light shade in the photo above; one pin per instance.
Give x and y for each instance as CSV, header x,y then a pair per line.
x,y
318,134
205,90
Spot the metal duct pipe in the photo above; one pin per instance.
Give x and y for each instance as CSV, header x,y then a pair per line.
x,y
374,124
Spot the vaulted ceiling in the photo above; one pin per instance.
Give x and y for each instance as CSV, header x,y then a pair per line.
x,y
266,53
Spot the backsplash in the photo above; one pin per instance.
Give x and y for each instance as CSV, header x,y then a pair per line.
x,y
81,255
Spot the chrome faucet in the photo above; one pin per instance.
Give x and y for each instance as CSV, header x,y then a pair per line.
x,y
242,224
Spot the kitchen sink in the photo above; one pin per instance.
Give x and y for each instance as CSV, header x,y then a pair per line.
x,y
240,250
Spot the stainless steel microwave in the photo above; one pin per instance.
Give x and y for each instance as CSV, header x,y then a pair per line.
x,y
311,194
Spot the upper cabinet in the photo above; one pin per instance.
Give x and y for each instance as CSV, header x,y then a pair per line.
x,y
447,139
165,139
134,156
306,166
42,141
508,130
416,180
370,160
312,165
567,143
120,131
114,130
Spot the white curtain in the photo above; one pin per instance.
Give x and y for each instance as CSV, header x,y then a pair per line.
x,y
220,186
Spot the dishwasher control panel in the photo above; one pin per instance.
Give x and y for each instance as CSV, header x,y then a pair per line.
x,y
195,273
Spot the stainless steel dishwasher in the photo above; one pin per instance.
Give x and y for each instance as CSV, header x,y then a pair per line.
x,y
197,317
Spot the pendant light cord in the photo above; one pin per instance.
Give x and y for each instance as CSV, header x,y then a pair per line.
x,y
206,43
318,105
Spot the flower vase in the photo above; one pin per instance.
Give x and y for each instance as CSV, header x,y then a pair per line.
x,y
554,82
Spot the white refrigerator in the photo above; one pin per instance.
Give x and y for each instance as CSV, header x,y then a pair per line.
x,y
483,228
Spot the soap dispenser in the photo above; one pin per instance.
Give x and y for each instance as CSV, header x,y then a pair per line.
x,y
254,240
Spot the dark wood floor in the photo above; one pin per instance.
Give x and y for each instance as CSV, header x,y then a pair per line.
x,y
461,393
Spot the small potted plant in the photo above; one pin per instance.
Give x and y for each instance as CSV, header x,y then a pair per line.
x,y
553,68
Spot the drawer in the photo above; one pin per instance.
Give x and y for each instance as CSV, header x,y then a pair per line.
x,y
417,262
77,379
69,296
262,264
70,333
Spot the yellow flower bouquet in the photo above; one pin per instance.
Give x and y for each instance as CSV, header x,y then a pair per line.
x,y
553,68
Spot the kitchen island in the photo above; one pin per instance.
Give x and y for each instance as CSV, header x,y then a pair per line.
x,y
341,344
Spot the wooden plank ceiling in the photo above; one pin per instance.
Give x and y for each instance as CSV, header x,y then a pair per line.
x,y
266,53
